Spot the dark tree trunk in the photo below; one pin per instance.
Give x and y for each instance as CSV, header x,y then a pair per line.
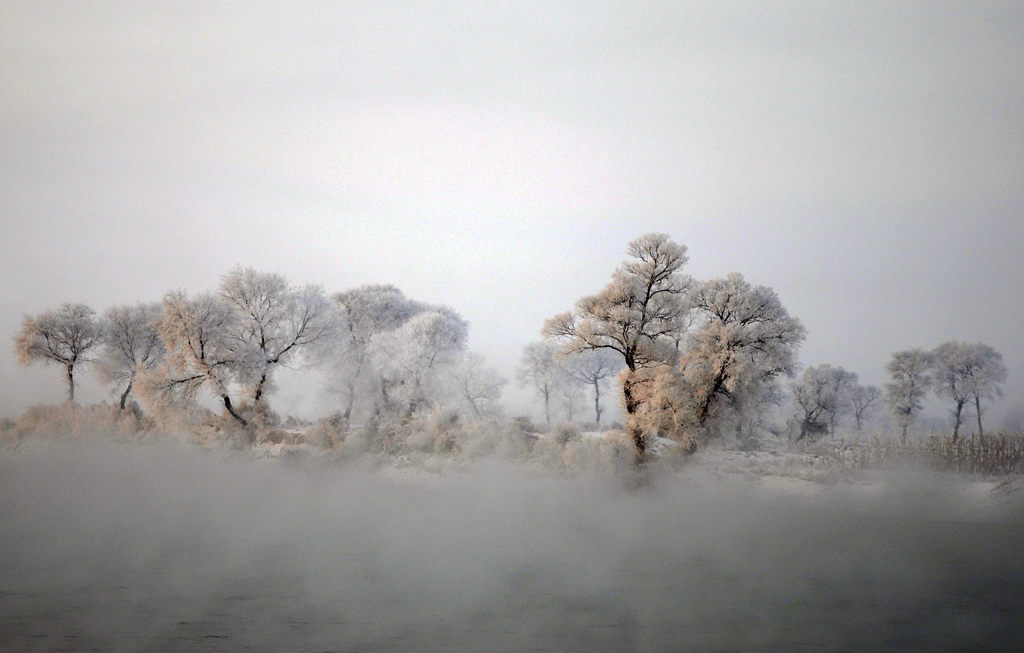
x,y
633,430
977,409
124,395
597,402
70,368
231,411
956,420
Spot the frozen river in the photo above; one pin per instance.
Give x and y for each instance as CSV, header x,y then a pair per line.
x,y
166,548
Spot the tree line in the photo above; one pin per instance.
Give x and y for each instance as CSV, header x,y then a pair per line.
x,y
691,360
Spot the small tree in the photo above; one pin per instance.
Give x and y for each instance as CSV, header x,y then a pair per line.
x,y
131,344
823,394
909,371
476,385
861,399
539,370
640,314
594,368
63,336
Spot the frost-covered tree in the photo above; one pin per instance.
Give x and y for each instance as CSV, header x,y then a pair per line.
x,y
476,385
200,334
862,398
594,368
640,315
989,374
276,324
953,373
822,394
131,344
910,381
367,312
745,340
63,336
538,369
412,357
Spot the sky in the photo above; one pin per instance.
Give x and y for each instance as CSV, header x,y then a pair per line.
x,y
865,160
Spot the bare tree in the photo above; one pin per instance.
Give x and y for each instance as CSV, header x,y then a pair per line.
x,y
539,369
909,371
477,385
276,322
63,336
639,314
988,375
861,399
131,344
594,368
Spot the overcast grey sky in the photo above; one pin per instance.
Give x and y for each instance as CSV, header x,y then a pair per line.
x,y
866,160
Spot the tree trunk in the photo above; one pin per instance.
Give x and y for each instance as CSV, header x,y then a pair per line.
x,y
258,393
633,430
956,420
227,405
70,368
124,395
597,402
977,409
547,405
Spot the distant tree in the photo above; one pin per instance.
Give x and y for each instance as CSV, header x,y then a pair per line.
x,y
823,393
63,336
275,324
640,314
367,312
989,373
569,389
412,357
539,370
594,368
131,344
910,381
861,399
200,334
477,385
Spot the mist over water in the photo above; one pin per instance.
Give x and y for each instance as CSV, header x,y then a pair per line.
x,y
167,547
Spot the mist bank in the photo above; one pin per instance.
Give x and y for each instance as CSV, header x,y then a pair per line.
x,y
167,546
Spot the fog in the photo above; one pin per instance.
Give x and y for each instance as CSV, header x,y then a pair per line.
x,y
173,547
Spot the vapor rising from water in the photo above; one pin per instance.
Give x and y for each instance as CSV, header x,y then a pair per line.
x,y
178,548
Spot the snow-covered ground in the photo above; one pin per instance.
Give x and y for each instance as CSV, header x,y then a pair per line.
x,y
173,547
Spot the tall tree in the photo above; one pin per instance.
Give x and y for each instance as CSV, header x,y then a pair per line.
x,y
955,367
131,344
910,381
639,314
63,336
989,374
